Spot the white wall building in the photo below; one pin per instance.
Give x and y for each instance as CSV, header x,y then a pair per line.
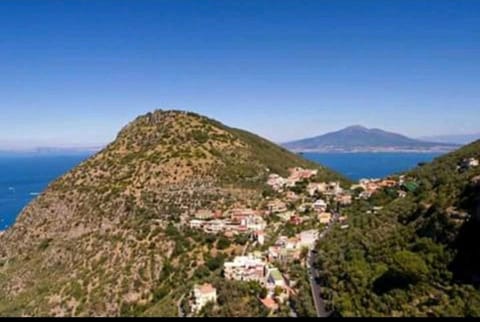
x,y
203,294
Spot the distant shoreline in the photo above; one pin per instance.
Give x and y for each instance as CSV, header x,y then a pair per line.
x,y
372,151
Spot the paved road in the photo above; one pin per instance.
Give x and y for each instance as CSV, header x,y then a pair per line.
x,y
317,299
312,272
181,314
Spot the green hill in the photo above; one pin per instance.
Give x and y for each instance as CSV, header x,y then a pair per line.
x,y
106,238
419,255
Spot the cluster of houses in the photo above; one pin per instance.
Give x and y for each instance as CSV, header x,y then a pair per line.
x,y
371,186
296,175
230,223
255,267
330,190
258,266
288,249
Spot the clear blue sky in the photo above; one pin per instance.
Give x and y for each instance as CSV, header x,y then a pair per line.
x,y
74,72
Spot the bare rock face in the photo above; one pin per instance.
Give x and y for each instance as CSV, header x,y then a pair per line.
x,y
96,241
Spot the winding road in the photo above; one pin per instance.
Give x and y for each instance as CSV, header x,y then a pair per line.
x,y
313,273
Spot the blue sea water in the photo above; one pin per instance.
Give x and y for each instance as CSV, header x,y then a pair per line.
x,y
356,166
23,177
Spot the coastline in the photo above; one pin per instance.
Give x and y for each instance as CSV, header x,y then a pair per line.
x,y
370,151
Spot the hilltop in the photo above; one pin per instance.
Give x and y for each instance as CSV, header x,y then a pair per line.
x,y
361,139
107,238
414,255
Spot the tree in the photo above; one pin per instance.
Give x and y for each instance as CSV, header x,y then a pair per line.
x,y
223,243
201,272
410,265
263,293
215,262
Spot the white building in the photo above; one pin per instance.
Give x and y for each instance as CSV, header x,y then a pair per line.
x,y
245,268
196,223
308,238
324,217
275,278
255,223
203,294
260,235
276,206
314,187
471,162
320,205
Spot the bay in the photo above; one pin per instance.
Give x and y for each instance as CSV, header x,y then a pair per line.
x,y
359,165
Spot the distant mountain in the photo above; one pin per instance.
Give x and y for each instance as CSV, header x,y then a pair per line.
x,y
453,138
361,139
67,150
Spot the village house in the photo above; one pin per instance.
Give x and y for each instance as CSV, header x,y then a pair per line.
x,y
469,163
308,238
260,236
255,223
215,226
196,223
276,182
204,214
387,183
269,303
301,174
320,205
314,187
285,216
342,219
275,278
364,195
324,217
304,207
245,268
276,206
282,254
202,295
344,199
333,189
296,220
292,196
229,234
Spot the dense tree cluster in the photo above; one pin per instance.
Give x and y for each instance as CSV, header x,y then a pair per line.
x,y
418,256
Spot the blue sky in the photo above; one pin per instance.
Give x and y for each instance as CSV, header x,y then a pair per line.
x,y
74,72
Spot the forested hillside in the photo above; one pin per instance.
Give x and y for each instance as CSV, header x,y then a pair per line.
x,y
416,256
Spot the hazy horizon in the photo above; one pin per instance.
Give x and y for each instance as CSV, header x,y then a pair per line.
x,y
31,146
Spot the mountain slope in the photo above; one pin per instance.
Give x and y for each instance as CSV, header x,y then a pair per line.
x,y
453,138
357,138
104,239
419,255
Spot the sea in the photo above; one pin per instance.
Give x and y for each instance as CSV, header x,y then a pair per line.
x,y
360,165
24,177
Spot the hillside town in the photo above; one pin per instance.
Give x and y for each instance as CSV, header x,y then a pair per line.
x,y
298,201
